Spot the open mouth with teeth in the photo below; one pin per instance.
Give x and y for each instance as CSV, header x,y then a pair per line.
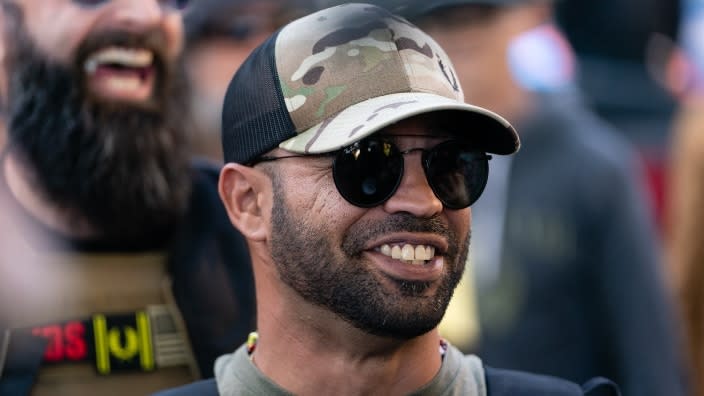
x,y
416,255
405,261
123,74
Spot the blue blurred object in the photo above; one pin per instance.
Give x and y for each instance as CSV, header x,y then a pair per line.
x,y
541,60
692,38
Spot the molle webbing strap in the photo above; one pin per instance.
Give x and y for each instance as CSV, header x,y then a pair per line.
x,y
173,352
145,340
21,356
138,352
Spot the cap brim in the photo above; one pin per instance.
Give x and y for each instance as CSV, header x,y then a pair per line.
x,y
491,132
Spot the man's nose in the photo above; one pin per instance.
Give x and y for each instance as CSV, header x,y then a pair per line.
x,y
414,195
138,15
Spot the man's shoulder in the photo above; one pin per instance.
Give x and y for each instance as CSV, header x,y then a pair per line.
x,y
516,383
206,387
499,383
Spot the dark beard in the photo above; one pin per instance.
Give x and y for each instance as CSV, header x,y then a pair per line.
x,y
122,168
341,283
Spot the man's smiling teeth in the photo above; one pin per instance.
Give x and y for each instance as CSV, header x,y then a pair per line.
x,y
412,254
127,57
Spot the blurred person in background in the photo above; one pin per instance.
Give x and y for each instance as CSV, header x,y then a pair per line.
x,y
149,282
685,214
622,49
566,256
220,34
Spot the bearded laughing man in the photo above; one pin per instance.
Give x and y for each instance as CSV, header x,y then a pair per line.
x,y
146,281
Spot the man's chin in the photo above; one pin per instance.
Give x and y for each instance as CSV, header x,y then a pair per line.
x,y
112,101
405,330
123,93
121,105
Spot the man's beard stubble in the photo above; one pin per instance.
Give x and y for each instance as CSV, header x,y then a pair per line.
x,y
121,168
306,262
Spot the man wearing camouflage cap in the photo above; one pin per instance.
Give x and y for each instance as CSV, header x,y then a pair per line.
x,y
352,161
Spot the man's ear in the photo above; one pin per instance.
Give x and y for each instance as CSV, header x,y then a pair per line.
x,y
246,193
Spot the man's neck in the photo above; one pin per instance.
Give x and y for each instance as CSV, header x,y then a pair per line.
x,y
313,351
27,192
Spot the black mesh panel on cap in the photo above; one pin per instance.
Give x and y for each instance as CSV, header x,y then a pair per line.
x,y
254,118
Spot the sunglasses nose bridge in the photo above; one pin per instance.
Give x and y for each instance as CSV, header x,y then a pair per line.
x,y
413,194
424,158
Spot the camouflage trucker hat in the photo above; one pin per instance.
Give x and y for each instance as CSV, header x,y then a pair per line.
x,y
331,78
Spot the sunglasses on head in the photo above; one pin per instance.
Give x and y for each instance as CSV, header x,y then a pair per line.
x,y
368,173
174,4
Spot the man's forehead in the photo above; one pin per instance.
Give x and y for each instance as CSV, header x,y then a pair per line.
x,y
425,124
434,126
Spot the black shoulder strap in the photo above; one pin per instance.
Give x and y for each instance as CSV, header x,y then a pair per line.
x,y
516,383
22,356
208,260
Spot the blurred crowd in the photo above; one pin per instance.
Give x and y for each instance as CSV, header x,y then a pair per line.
x,y
587,256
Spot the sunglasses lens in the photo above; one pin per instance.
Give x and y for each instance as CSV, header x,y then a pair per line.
x,y
368,172
456,174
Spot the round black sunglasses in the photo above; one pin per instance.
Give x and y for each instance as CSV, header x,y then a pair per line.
x,y
368,172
